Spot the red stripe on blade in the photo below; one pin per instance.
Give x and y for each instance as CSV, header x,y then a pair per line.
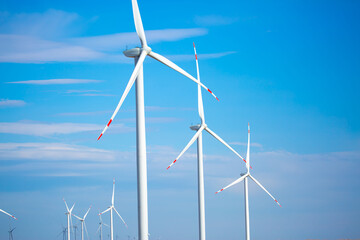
x,y
209,91
175,161
109,122
196,56
99,137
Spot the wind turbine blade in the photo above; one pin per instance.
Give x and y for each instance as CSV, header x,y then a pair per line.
x,y
106,225
223,142
138,23
105,211
233,183
112,199
127,89
98,228
87,213
121,218
8,214
72,208
188,145
172,65
67,208
77,217
248,149
258,183
200,101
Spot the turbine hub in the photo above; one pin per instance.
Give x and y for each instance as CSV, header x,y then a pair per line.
x,y
147,49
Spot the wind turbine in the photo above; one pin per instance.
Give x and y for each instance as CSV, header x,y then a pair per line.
x,y
111,208
198,136
10,233
82,220
244,176
8,214
100,226
139,55
69,221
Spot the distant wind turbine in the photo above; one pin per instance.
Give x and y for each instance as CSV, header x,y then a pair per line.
x,y
10,233
69,221
100,226
244,177
83,224
111,208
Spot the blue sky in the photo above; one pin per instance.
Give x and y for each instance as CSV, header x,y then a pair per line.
x,y
290,68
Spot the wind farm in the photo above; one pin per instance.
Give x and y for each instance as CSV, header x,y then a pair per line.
x,y
69,123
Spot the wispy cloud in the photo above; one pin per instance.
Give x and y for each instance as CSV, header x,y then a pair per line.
x,y
215,20
23,39
4,103
159,108
52,151
187,57
245,144
89,93
30,49
57,81
48,129
119,41
83,113
48,25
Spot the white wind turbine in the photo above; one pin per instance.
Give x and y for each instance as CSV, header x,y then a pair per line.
x,y
69,221
198,136
83,224
111,208
139,54
100,226
8,214
244,177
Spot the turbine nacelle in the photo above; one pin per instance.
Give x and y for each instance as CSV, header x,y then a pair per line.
x,y
197,127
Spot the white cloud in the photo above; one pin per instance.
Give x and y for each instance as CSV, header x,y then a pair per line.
x,y
215,20
56,81
48,129
11,103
